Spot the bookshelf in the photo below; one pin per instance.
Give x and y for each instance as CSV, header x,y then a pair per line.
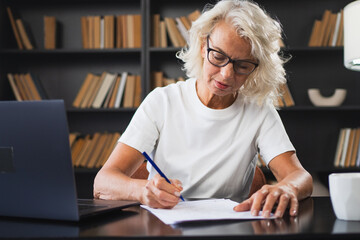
x,y
313,130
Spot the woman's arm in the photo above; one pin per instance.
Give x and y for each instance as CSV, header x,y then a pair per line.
x,y
113,181
294,184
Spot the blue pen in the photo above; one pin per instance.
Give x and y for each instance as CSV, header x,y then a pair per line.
x,y
158,170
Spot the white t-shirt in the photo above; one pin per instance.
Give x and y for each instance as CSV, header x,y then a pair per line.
x,y
212,152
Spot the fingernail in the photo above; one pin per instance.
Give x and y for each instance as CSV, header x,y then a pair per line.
x,y
254,213
294,212
266,213
177,194
278,214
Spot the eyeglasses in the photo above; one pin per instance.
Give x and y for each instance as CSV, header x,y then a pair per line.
x,y
220,59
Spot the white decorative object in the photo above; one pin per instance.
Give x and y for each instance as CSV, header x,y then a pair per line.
x,y
352,36
332,101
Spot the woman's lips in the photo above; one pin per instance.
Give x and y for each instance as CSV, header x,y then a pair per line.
x,y
221,85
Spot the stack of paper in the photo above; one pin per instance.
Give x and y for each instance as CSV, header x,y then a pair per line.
x,y
211,209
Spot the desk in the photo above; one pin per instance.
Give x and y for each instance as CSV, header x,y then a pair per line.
x,y
316,220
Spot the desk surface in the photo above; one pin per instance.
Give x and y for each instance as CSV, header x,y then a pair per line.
x,y
316,220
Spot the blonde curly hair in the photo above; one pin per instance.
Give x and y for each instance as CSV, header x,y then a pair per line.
x,y
262,31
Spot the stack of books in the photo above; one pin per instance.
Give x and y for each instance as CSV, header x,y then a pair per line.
x,y
26,87
109,90
328,32
347,150
109,31
175,29
92,150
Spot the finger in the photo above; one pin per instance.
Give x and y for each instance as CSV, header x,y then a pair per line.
x,y
243,206
259,198
177,184
294,206
160,183
282,205
158,198
271,199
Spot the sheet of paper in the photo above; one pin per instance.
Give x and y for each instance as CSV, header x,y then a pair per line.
x,y
211,209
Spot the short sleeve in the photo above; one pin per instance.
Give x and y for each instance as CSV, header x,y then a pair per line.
x,y
273,139
144,128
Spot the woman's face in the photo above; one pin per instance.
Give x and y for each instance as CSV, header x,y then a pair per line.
x,y
223,81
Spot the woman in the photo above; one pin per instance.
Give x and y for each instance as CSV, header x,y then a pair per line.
x,y
205,133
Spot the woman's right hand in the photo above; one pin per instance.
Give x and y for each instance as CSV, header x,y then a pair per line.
x,y
158,193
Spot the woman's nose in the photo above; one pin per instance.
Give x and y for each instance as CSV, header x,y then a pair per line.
x,y
227,71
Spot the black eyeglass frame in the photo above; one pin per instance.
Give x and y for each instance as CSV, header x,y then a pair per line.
x,y
229,59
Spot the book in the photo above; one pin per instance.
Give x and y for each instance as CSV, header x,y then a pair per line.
x,y
49,32
182,29
163,34
91,31
111,143
349,148
20,86
193,16
339,148
129,92
14,87
108,80
345,147
118,31
121,89
90,91
83,89
14,28
137,31
32,87
23,34
138,91
109,31
336,30
96,31
340,38
76,148
130,31
124,28
84,32
98,149
176,38
114,92
155,33
355,150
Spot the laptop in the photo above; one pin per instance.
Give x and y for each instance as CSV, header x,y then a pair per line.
x,y
36,173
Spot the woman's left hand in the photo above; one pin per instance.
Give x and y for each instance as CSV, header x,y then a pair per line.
x,y
294,184
268,197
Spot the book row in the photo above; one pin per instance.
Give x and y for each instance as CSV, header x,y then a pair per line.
x,y
26,87
92,150
347,150
173,28
109,90
109,31
159,79
328,32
